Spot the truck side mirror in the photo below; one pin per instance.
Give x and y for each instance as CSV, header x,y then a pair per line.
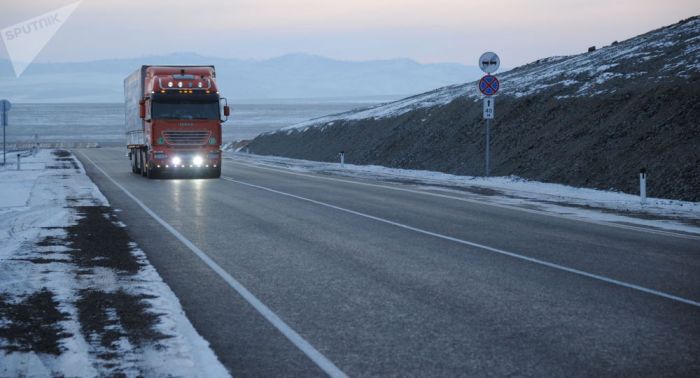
x,y
142,109
224,109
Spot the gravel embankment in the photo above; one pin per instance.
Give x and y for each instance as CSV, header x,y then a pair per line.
x,y
590,120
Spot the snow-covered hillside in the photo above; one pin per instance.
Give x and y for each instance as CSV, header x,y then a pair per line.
x,y
589,120
672,51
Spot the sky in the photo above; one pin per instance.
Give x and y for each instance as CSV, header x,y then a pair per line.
x,y
427,31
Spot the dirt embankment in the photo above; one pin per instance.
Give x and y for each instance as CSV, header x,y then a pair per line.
x,y
597,141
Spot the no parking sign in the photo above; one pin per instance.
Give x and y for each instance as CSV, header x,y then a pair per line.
x,y
488,85
489,62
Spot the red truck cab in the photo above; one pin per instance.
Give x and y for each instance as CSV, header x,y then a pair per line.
x,y
173,121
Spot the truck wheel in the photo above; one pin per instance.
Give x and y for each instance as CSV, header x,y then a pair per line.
x,y
132,160
136,168
153,173
214,172
144,164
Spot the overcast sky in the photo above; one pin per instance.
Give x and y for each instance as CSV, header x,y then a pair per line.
x,y
423,30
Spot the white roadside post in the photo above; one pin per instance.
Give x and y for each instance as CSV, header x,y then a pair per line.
x,y
342,159
643,185
18,157
488,85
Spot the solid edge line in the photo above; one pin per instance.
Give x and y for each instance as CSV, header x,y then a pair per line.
x,y
531,211
480,246
319,359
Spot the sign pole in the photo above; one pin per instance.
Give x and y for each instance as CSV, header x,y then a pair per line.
x,y
488,147
489,85
4,123
4,149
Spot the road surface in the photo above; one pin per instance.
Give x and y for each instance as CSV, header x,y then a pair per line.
x,y
289,274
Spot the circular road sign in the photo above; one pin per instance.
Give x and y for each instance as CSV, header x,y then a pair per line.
x,y
5,106
489,85
489,62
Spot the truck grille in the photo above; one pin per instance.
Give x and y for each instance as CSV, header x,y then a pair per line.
x,y
186,138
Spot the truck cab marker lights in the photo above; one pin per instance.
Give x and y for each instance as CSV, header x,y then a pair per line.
x,y
169,81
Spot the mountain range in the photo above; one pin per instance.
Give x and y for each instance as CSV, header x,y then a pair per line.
x,y
292,76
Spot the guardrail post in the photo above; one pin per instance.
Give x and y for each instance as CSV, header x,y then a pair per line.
x,y
643,185
18,157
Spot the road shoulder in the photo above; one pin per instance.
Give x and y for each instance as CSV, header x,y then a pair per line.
x,y
79,297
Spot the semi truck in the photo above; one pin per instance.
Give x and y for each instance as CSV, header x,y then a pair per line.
x,y
173,121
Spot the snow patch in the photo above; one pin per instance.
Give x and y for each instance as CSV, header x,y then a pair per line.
x,y
37,204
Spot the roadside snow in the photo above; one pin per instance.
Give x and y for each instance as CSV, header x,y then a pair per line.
x,y
578,203
36,204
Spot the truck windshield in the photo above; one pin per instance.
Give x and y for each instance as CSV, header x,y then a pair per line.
x,y
185,110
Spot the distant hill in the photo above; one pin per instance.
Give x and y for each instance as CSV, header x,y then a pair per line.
x,y
286,77
592,119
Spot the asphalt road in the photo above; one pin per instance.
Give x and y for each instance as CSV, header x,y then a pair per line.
x,y
302,275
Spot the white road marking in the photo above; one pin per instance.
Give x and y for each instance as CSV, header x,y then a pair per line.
x,y
477,245
319,359
531,211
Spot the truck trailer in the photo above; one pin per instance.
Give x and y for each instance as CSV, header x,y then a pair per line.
x,y
173,121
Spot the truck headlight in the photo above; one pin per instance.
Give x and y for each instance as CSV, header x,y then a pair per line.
x,y
177,160
197,160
